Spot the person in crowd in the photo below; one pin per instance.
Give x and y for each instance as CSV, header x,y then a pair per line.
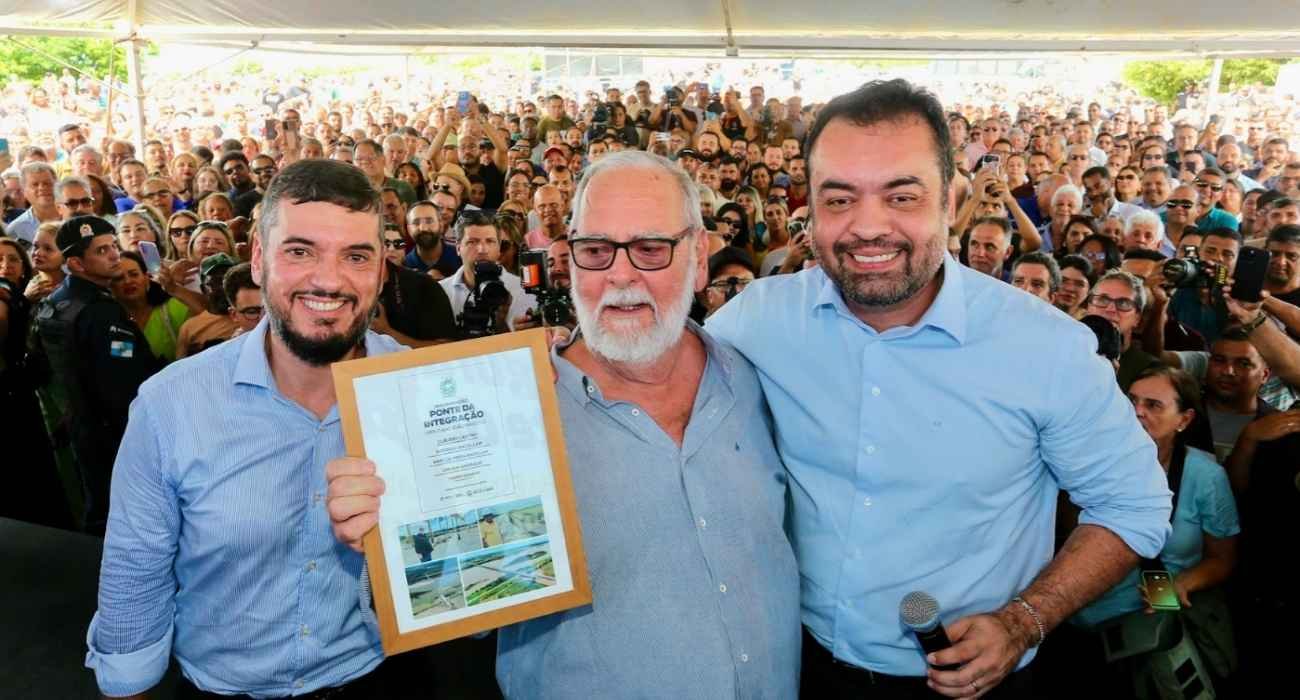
x,y
36,494
552,208
413,309
1179,215
1194,306
158,314
157,594
244,296
215,206
1201,552
1075,287
47,264
480,241
38,182
731,270
209,238
988,246
138,225
1121,298
1077,229
180,228
1128,184
1038,274
184,166
209,322
1066,203
411,174
430,254
131,176
1209,185
694,640
207,179
775,219
880,168
1155,188
1144,231
97,356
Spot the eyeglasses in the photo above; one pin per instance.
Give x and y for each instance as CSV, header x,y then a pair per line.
x,y
182,231
775,199
394,243
737,282
82,202
445,188
1126,177
1102,301
1180,204
1202,184
646,254
252,313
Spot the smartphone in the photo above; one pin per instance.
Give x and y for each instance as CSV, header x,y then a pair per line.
x,y
1248,277
1160,590
152,260
462,102
268,130
990,159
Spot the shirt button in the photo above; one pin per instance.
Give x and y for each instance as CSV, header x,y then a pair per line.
x,y
744,658
311,565
875,391
591,390
871,449
636,412
866,502
702,523
722,588
306,632
315,498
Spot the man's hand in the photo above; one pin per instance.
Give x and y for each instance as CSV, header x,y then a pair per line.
x,y
526,320
38,288
1241,311
1273,426
501,316
1155,284
182,272
352,498
987,647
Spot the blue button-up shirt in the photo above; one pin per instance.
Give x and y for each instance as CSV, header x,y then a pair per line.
x,y
694,584
929,457
219,548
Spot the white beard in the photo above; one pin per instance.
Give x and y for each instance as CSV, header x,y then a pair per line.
x,y
632,345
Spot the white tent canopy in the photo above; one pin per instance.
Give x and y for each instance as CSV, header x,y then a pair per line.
x,y
766,27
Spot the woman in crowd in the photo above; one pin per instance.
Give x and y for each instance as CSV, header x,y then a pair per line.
x,y
1249,213
511,224
776,215
411,175
1102,253
47,262
105,208
733,226
207,179
749,201
139,225
210,238
1201,552
1066,203
183,168
158,314
180,227
215,206
1128,184
33,492
1077,229
760,178
1233,197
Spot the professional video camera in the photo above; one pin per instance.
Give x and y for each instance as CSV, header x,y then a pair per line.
x,y
1191,272
554,305
485,300
600,117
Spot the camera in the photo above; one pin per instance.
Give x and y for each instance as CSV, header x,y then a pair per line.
x,y
795,227
600,117
554,305
1192,272
673,96
485,300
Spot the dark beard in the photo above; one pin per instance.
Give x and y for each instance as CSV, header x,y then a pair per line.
x,y
323,351
425,240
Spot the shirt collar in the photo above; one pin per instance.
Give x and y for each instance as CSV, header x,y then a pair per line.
x,y
253,367
947,313
584,388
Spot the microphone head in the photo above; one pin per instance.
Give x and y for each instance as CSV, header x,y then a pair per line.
x,y
920,611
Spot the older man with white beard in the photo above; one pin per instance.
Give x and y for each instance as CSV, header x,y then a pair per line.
x,y
680,491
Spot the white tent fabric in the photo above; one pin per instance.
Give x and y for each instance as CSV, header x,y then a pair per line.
x,y
1244,27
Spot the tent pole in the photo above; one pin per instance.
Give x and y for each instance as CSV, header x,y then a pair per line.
x,y
1212,101
137,94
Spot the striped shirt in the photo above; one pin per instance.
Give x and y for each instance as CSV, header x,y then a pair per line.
x,y
219,548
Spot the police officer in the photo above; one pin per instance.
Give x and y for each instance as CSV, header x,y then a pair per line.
x,y
96,354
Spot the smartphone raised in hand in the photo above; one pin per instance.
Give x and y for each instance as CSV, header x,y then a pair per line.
x,y
462,102
152,260
1248,275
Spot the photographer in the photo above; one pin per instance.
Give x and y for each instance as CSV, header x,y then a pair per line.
x,y
669,113
551,291
612,116
501,300
1196,306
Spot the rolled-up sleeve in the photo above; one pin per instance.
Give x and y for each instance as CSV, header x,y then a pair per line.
x,y
130,635
1100,454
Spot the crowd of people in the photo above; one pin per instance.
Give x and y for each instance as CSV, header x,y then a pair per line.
x,y
120,260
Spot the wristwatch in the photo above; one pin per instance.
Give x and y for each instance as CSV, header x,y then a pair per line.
x,y
1250,326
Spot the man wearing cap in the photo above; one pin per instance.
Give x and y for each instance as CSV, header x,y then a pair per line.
x,y
689,160
96,354
730,271
214,325
473,133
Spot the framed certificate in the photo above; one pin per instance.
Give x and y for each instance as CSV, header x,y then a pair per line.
x,y
478,527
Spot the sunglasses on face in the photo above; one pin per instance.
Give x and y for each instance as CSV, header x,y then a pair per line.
x,y
1179,204
1202,184
182,231
82,202
394,243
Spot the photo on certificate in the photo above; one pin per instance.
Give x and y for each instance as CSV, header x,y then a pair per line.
x,y
477,527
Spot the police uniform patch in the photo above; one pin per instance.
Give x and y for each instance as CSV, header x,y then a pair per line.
x,y
124,349
87,231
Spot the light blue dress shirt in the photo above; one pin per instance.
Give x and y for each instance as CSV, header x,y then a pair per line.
x,y
219,548
694,585
1205,507
929,457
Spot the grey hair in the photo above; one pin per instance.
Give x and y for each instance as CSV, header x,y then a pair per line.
x,y
1068,191
1134,283
1146,217
36,166
71,180
640,160
87,148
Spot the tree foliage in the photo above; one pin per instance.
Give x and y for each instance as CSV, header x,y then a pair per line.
x,y
1163,80
89,55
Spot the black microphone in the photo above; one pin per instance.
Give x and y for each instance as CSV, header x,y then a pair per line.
x,y
920,612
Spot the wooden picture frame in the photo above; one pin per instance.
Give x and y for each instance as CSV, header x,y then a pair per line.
x,y
566,558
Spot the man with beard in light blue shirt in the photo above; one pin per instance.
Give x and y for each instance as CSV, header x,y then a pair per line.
x,y
928,415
